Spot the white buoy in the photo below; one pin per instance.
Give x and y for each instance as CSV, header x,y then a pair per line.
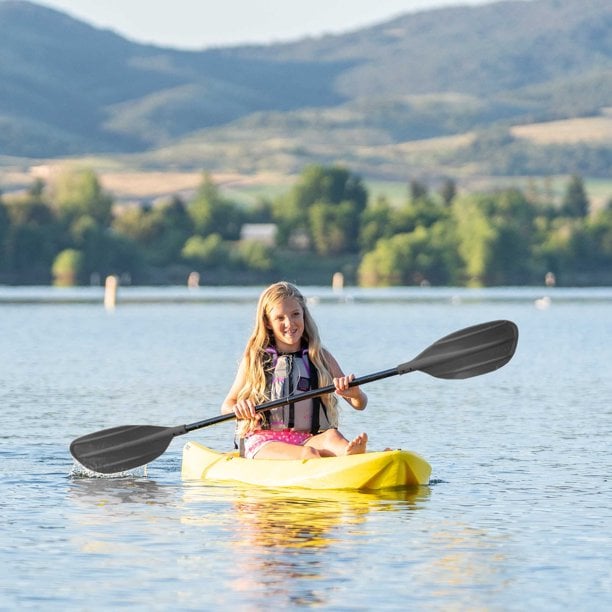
x,y
110,292
193,280
338,281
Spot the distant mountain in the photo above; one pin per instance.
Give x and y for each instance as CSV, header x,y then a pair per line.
x,y
68,88
481,50
71,88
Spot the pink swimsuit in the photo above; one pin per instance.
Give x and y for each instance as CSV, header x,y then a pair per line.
x,y
254,443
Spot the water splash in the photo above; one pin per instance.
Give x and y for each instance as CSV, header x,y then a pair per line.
x,y
80,471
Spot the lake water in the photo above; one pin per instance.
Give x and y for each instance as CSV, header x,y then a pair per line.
x,y
518,514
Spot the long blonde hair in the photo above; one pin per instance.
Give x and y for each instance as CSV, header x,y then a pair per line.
x,y
262,338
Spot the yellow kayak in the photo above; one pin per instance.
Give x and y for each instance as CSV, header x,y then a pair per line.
x,y
370,471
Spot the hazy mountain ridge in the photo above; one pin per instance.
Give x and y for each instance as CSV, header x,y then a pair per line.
x,y
65,76
69,88
481,50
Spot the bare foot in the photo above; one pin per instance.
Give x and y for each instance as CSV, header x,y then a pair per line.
x,y
358,445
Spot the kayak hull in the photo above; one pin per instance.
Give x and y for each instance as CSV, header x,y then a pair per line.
x,y
367,471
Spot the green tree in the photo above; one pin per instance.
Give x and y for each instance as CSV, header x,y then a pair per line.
x,y
418,190
211,213
319,185
422,256
599,229
68,268
175,226
32,238
176,215
104,251
254,255
575,202
423,212
334,227
383,265
580,251
475,238
37,189
333,184
553,247
210,251
513,217
376,223
448,191
77,192
160,231
496,237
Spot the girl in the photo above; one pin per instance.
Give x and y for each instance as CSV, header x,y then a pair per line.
x,y
284,356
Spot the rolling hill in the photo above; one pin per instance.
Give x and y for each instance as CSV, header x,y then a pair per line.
x,y
460,79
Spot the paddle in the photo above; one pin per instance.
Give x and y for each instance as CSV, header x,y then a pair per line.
x,y
468,352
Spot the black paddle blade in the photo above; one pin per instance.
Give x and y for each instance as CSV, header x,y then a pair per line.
x,y
122,448
468,352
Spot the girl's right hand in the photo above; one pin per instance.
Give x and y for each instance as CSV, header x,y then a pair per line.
x,y
245,409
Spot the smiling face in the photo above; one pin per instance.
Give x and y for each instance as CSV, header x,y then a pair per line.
x,y
286,321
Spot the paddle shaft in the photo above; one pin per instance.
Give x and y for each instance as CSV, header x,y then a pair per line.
x,y
283,401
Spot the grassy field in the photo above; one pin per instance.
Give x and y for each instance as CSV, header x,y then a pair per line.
x,y
240,164
591,130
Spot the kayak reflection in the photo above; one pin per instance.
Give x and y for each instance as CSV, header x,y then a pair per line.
x,y
284,542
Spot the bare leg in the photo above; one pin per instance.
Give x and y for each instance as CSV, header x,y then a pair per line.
x,y
282,450
332,443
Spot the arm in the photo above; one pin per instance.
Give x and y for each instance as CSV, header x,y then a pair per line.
x,y
243,409
353,395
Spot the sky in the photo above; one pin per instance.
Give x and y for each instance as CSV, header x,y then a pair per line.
x,y
198,24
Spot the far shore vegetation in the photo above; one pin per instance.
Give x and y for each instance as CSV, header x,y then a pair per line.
x,y
70,231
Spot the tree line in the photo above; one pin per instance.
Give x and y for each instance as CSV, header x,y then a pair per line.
x,y
71,232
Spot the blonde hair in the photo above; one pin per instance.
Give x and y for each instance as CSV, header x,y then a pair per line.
x,y
262,338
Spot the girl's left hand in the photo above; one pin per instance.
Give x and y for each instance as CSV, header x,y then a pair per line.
x,y
342,386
